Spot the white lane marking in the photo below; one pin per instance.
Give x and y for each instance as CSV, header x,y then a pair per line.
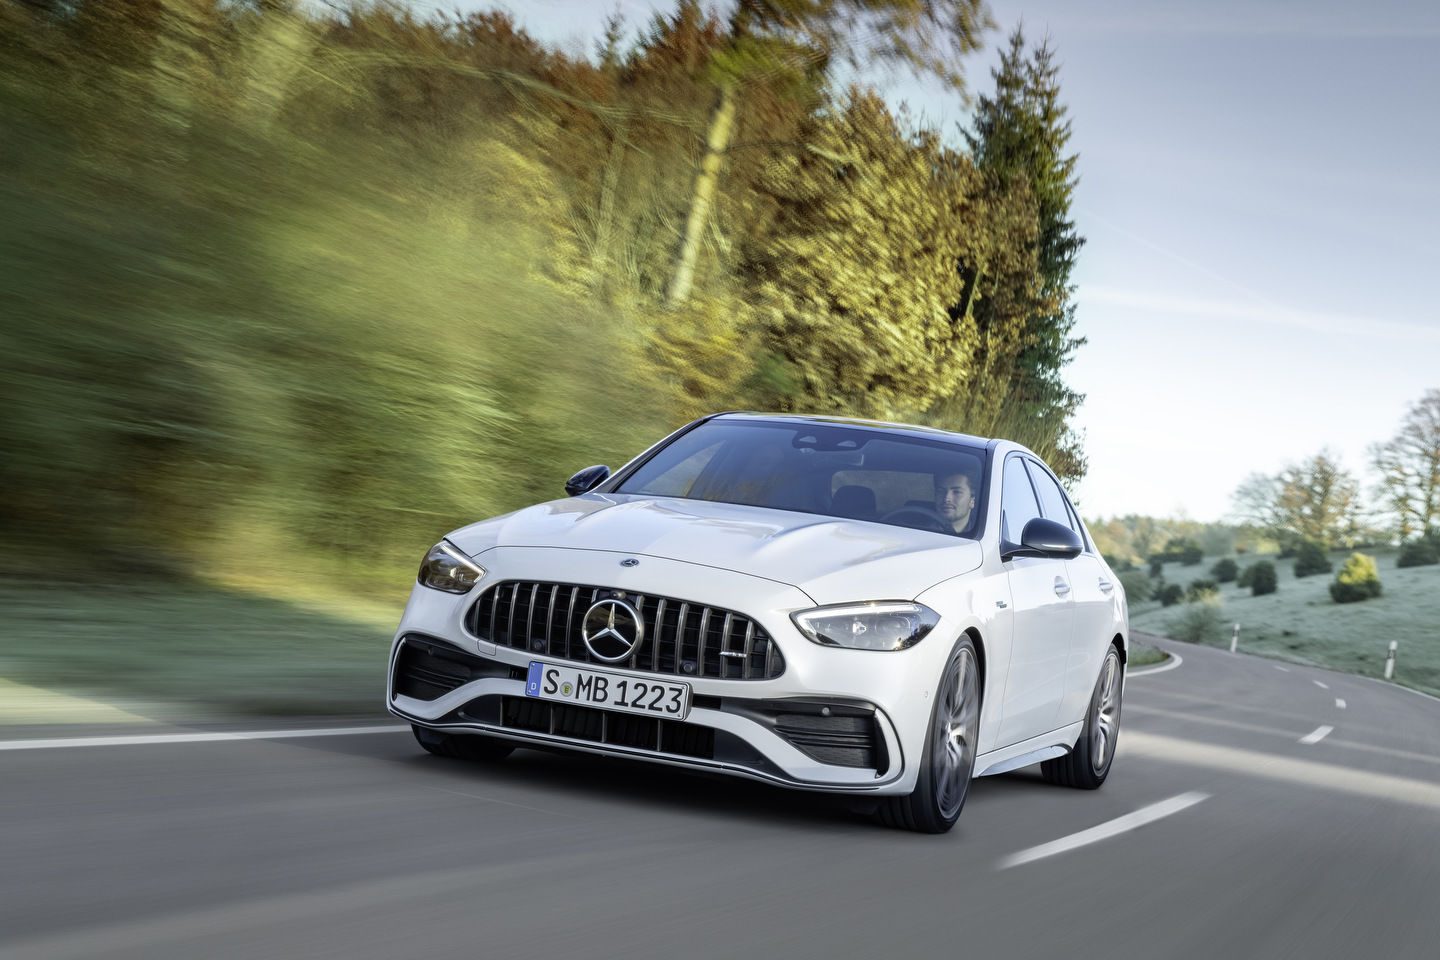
x,y
1322,686
1104,831
1329,777
1174,661
1280,668
142,739
1340,703
1316,735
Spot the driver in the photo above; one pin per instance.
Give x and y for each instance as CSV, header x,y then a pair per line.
x,y
955,499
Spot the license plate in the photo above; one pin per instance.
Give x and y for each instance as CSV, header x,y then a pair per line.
x,y
613,691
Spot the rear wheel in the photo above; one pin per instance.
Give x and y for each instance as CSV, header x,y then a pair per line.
x,y
949,757
461,746
1087,766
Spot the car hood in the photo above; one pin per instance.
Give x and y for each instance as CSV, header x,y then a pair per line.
x,y
830,559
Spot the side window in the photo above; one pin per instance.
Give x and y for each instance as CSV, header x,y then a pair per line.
x,y
1052,498
1017,501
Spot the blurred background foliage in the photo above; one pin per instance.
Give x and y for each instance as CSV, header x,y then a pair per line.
x,y
287,288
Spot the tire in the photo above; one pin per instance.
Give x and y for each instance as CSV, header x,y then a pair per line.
x,y
1087,766
949,757
461,746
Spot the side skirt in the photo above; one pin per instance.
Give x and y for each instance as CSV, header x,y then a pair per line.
x,y
1048,746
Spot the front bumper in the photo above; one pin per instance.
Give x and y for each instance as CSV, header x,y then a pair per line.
x,y
836,720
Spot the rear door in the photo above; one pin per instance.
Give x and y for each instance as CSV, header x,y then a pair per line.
x,y
1044,619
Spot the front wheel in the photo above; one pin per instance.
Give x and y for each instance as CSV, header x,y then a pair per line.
x,y
949,757
1088,764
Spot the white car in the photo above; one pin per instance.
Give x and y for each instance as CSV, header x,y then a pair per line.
x,y
827,604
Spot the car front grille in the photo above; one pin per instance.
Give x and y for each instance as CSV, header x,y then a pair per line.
x,y
681,638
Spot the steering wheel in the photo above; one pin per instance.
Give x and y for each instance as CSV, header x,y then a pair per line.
x,y
929,519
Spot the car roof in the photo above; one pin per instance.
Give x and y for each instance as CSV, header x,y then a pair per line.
x,y
876,425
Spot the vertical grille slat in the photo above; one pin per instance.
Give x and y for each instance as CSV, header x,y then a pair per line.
x,y
680,635
570,622
721,637
510,627
659,634
550,619
749,649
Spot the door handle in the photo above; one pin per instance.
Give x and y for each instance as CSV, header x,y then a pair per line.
x,y
1061,587
1106,586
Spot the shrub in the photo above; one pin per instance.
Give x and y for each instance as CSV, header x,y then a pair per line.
x,y
1138,586
1312,558
1226,570
1200,622
1118,564
1170,594
1200,589
1243,580
1418,553
1262,578
1157,566
1186,551
1357,580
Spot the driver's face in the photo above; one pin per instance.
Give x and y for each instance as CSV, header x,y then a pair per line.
x,y
954,500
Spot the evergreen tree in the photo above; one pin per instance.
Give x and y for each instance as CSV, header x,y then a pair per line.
x,y
1021,134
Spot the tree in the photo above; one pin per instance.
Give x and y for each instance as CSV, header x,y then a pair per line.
x,y
1021,136
1409,468
792,43
1315,500
854,284
1318,501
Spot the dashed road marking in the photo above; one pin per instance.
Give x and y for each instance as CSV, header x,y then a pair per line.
x,y
1104,831
1316,735
1322,686
1280,668
1340,703
151,738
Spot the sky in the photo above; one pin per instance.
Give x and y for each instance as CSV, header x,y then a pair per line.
x,y
1259,198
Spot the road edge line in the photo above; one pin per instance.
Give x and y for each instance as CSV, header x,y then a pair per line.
x,y
1174,661
142,739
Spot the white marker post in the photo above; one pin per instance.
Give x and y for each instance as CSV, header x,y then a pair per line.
x,y
1390,661
1235,638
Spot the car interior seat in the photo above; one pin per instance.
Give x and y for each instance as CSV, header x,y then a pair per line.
x,y
855,502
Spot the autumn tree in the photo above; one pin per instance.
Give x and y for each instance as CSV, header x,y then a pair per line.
x,y
854,285
791,44
1409,468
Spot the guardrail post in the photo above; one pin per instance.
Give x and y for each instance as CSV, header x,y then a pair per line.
x,y
1235,638
1390,661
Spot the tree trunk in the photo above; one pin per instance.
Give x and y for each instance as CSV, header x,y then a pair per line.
x,y
722,126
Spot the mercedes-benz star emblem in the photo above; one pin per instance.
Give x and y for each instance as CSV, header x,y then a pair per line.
x,y
630,562
612,630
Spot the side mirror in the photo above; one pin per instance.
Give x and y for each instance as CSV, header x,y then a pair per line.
x,y
587,479
1045,538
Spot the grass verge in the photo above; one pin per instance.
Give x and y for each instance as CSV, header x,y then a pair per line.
x,y
192,651
1302,624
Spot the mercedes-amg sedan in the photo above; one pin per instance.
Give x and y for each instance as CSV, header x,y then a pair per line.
x,y
828,604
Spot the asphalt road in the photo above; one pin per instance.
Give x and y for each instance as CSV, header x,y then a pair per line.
x,y
361,846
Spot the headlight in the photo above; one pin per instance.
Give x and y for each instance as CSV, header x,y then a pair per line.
x,y
446,568
883,625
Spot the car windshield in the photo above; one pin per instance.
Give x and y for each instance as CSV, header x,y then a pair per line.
x,y
855,473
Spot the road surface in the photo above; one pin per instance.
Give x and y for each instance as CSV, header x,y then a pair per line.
x,y
1254,810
